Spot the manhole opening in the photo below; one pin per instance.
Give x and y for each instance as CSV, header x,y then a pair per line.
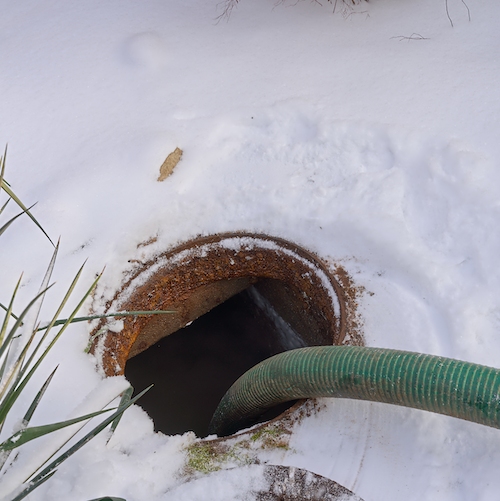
x,y
193,367
239,299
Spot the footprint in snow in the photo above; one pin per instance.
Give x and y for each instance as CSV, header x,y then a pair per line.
x,y
146,50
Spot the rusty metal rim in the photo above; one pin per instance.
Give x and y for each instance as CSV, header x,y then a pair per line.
x,y
218,237
112,349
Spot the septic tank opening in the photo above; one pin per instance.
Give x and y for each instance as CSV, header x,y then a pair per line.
x,y
239,299
193,367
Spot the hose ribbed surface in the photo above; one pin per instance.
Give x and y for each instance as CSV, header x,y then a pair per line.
x,y
437,384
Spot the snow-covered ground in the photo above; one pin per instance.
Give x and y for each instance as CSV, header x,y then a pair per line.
x,y
369,135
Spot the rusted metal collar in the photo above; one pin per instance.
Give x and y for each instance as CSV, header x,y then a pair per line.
x,y
193,278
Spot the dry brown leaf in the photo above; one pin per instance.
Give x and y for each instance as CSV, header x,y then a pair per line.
x,y
169,164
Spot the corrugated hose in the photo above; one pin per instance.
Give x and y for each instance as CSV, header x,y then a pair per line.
x,y
437,384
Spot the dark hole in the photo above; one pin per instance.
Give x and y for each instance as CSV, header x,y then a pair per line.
x,y
193,367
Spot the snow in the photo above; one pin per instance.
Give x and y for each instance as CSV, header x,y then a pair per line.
x,y
330,130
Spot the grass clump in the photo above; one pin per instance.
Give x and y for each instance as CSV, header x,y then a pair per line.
x,y
23,347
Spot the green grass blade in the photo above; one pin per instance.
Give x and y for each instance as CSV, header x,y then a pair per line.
x,y
4,455
21,437
6,188
48,274
8,223
45,283
29,414
38,304
68,320
68,439
58,312
14,392
15,373
19,321
126,396
5,205
87,438
9,312
2,371
105,328
5,309
11,333
31,487
51,324
50,268
2,171
91,338
120,314
15,366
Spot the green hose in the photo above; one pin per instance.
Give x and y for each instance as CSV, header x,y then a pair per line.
x,y
437,384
